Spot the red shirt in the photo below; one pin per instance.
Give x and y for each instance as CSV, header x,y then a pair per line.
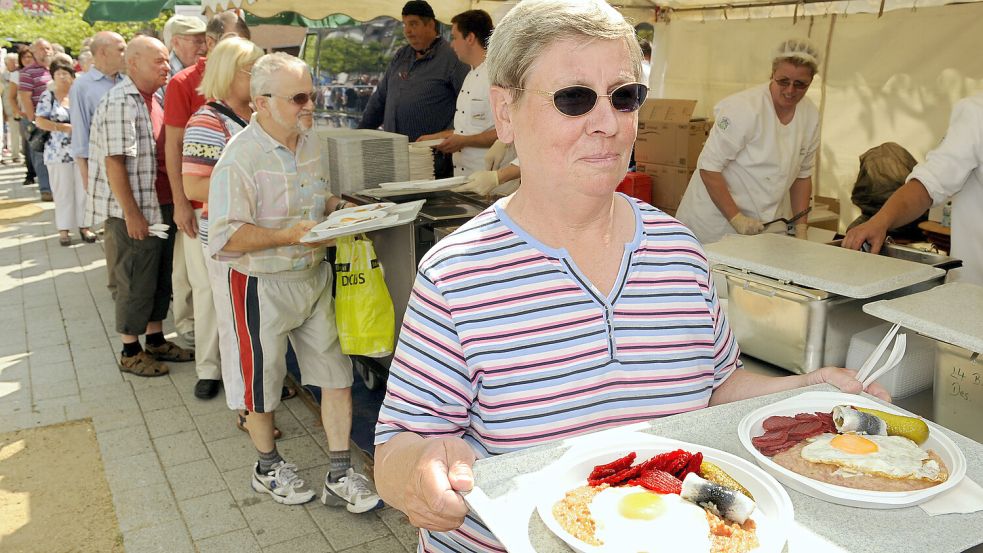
x,y
182,100
161,183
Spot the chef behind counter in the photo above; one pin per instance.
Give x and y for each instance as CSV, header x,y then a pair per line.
x,y
761,151
954,169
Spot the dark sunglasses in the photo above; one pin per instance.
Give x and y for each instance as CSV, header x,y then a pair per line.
x,y
797,85
300,99
574,101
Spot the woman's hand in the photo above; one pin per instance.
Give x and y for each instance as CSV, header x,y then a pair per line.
x,y
430,496
845,380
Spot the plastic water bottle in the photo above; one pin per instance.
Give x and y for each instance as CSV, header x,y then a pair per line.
x,y
947,215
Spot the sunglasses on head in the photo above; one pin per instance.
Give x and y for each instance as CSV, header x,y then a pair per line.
x,y
577,100
797,85
300,99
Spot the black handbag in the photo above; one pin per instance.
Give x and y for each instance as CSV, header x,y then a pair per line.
x,y
37,137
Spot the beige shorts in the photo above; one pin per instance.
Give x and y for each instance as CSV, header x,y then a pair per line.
x,y
268,309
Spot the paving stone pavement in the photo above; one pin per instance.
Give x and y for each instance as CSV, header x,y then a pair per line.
x,y
176,465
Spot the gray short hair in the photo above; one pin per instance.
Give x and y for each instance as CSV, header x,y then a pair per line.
x,y
265,71
532,26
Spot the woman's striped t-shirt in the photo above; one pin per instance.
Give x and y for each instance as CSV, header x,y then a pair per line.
x,y
507,345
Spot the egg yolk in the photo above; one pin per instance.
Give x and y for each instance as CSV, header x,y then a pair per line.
x,y
851,443
641,505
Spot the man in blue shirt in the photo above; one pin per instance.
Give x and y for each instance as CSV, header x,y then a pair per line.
x,y
107,59
418,94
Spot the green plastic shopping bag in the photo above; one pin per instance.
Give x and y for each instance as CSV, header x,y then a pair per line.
x,y
363,307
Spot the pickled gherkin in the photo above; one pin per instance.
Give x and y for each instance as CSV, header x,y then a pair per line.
x,y
717,475
912,428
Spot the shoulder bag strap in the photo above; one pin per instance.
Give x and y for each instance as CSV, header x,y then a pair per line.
x,y
227,112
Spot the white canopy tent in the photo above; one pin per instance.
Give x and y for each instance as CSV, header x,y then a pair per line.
x,y
891,77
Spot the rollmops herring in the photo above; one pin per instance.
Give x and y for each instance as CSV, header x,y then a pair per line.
x,y
848,419
719,500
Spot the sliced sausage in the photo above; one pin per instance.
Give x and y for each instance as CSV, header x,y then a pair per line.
x,y
778,422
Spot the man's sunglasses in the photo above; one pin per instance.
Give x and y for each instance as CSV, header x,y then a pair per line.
x,y
300,99
797,85
574,101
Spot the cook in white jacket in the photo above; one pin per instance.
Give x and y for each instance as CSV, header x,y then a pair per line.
x,y
952,170
759,155
474,127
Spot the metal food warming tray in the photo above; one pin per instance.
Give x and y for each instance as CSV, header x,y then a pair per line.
x,y
797,304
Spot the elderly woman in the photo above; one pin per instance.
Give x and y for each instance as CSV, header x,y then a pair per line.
x,y
565,308
52,114
761,151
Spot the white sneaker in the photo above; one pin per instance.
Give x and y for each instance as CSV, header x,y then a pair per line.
x,y
353,491
282,483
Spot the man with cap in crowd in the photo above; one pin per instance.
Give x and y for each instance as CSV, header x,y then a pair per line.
x,y
181,101
107,50
185,38
418,93
474,127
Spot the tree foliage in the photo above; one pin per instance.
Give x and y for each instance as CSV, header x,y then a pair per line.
x,y
64,25
344,55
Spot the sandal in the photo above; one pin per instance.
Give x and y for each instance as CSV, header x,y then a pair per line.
x,y
169,351
142,364
241,424
87,235
65,240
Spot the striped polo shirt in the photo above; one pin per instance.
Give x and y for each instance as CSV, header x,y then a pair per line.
x,y
34,79
507,345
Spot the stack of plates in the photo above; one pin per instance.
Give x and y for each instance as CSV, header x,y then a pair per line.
x,y
409,188
362,158
421,159
363,218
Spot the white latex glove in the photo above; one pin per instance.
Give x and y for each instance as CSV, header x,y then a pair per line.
x,y
480,183
746,225
802,231
495,155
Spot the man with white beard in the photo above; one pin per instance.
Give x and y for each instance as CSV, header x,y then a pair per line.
x,y
266,192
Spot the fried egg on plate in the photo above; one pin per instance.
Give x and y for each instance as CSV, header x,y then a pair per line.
x,y
634,519
891,456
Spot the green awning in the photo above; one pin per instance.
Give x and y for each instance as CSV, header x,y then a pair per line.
x,y
145,10
297,20
130,10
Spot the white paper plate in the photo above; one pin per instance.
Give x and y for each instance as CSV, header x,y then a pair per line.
x,y
366,226
436,184
810,402
341,219
381,206
383,215
773,514
427,143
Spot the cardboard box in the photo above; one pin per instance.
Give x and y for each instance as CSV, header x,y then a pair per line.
x,y
668,184
667,134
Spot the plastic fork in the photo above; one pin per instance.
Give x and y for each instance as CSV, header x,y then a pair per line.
x,y
893,361
875,356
